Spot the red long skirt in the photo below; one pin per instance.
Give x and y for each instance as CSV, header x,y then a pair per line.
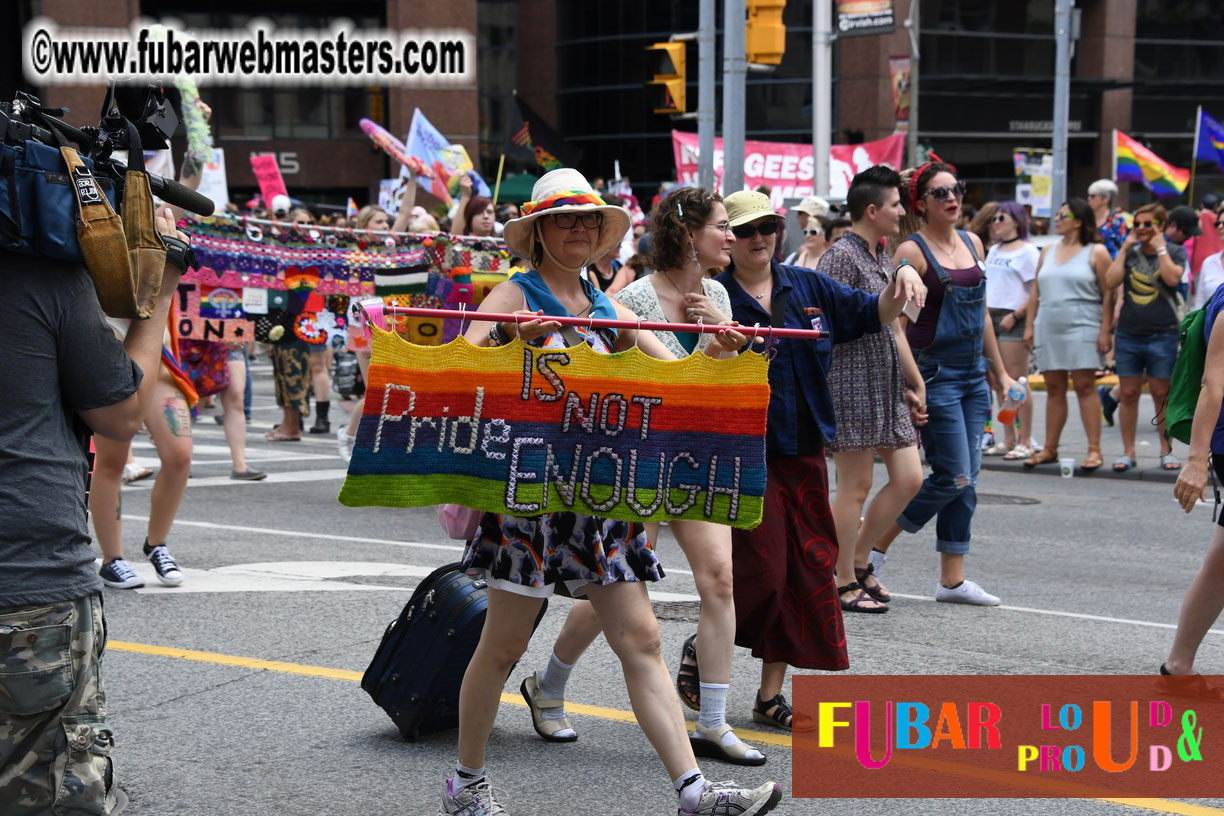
x,y
786,603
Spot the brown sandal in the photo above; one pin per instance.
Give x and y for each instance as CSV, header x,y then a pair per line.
x,y
1041,457
688,676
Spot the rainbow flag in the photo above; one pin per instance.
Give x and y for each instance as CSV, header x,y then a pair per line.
x,y
1134,162
525,431
351,210
1210,144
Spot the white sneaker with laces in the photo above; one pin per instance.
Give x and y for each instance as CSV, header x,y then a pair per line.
x,y
474,800
725,799
344,443
967,593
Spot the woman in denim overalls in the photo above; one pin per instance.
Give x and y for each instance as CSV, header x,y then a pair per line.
x,y
953,341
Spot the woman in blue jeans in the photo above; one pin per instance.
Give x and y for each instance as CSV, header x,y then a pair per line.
x,y
953,341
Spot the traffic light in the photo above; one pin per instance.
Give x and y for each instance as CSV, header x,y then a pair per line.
x,y
668,77
765,36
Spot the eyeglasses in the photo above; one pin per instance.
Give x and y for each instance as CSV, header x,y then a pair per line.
x,y
808,232
768,227
568,220
721,226
999,219
942,193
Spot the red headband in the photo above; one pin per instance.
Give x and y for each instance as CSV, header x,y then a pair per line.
x,y
913,182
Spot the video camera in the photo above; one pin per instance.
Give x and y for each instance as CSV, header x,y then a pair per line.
x,y
133,119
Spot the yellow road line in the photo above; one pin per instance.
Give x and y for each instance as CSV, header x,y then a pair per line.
x,y
614,714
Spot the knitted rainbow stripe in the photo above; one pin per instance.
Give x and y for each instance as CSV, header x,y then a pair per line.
x,y
523,431
562,199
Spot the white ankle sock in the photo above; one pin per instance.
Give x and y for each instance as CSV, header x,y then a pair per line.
x,y
464,777
713,705
552,682
690,785
876,560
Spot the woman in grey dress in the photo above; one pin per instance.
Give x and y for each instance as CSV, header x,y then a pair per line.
x,y
1070,315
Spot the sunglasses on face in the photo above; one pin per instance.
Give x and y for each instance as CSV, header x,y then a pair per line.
x,y
745,231
1065,216
1144,224
999,219
942,193
568,220
810,232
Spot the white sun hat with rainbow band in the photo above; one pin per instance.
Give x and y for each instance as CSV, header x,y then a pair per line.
x,y
565,190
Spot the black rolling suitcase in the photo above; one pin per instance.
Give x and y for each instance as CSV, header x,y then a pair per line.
x,y
416,673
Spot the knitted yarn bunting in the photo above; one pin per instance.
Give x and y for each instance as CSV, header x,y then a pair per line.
x,y
429,270
524,431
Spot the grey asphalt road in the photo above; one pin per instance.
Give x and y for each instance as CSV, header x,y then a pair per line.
x,y
1091,572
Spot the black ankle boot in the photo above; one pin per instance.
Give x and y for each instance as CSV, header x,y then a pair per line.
x,y
322,425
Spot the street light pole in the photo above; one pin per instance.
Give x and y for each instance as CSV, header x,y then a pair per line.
x,y
705,95
822,94
735,70
911,136
1062,98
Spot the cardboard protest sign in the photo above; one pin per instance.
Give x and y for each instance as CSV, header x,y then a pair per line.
x,y
523,431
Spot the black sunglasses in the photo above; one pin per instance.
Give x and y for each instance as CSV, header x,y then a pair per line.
x,y
745,231
942,193
589,220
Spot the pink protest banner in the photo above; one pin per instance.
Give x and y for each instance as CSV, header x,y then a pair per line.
x,y
268,175
787,167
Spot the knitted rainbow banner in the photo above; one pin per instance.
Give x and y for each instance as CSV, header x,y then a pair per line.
x,y
524,431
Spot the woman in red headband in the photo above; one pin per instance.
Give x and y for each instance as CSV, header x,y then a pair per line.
x,y
953,343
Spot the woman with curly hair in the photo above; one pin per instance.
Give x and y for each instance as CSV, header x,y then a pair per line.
x,y
691,235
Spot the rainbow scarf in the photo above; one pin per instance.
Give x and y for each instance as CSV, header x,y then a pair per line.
x,y
524,431
562,199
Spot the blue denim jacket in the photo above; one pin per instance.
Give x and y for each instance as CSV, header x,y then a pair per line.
x,y
798,388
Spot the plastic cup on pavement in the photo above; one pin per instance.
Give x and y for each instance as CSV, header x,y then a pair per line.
x,y
1066,466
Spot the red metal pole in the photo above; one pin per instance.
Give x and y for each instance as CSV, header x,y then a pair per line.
x,y
597,323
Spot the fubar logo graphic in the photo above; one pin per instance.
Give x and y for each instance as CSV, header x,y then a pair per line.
x,y
999,737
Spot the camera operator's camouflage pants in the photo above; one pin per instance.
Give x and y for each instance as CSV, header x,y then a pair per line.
x,y
55,743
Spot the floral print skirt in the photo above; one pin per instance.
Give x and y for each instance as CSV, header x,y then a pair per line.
x,y
563,551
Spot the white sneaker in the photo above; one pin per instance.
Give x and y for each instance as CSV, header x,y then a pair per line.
x,y
987,440
725,799
474,800
967,593
344,443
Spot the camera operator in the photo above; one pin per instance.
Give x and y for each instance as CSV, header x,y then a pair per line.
x,y
65,375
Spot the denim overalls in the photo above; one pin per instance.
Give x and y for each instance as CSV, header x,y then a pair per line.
x,y
958,405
